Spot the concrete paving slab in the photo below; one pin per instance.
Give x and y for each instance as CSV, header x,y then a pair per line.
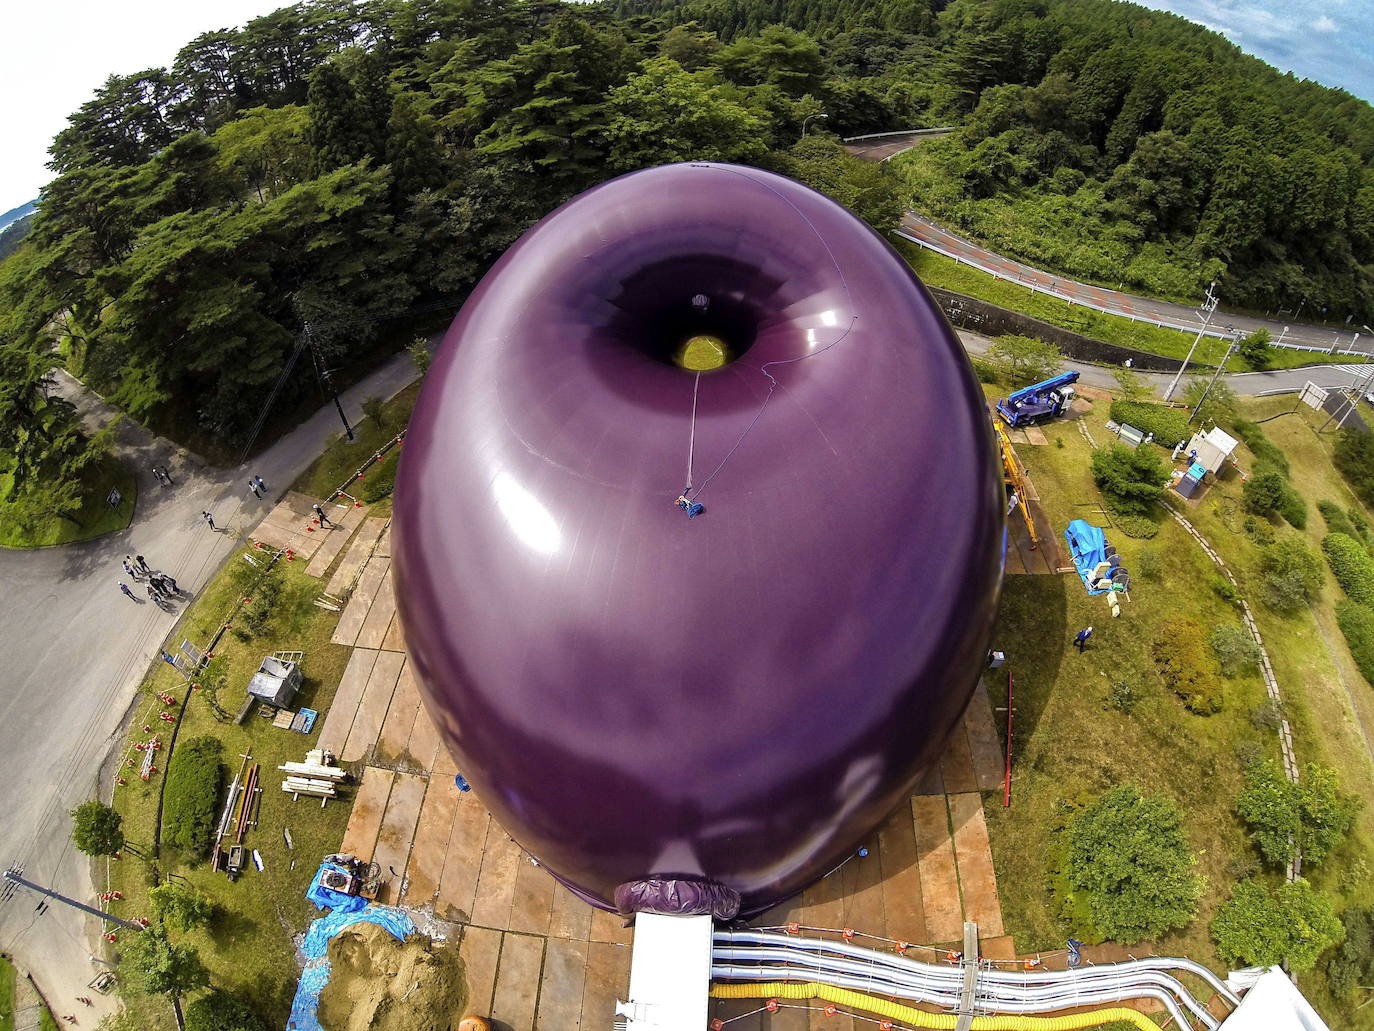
x,y
931,782
608,977
901,882
570,916
501,859
532,908
1035,435
397,832
610,928
393,641
357,555
481,954
463,859
355,612
335,534
517,980
984,742
369,805
562,987
378,619
425,868
939,875
973,853
394,740
367,724
338,721
956,766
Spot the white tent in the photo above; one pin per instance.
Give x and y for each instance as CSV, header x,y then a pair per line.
x,y
1273,1004
1213,448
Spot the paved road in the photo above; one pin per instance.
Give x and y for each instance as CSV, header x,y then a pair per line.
x,y
75,650
922,230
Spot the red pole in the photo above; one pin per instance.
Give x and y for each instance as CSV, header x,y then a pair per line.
x,y
1006,790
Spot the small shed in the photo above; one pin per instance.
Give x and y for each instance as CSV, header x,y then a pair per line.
x,y
276,681
1212,449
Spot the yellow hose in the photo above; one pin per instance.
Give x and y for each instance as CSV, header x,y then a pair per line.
x,y
920,1018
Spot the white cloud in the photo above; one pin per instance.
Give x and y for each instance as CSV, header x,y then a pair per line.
x,y
1325,24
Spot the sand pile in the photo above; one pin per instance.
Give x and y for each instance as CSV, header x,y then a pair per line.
x,y
378,983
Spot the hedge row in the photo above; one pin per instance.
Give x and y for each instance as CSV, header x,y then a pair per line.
x,y
1352,566
1169,425
191,800
1357,624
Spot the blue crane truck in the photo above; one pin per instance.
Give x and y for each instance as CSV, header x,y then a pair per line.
x,y
1043,400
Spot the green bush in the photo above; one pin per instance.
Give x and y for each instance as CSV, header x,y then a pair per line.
x,y
1336,520
1235,649
1292,924
1263,494
220,1011
1022,360
1123,695
1128,856
1357,624
191,796
1353,963
1290,575
1354,457
1140,527
1293,508
1352,566
1256,351
1266,452
1131,478
1359,524
1169,425
381,479
1150,563
257,613
1258,531
1311,816
985,371
1180,655
1268,715
1226,590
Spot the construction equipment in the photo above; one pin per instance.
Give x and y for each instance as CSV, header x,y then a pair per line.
x,y
1016,483
1046,399
352,876
234,866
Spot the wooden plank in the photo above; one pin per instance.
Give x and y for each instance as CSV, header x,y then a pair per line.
x,y
984,741
342,523
384,542
425,868
501,859
998,948
532,908
397,832
571,917
957,764
481,954
394,740
517,981
369,805
381,685
560,991
444,763
338,721
863,897
393,641
823,903
425,747
608,978
973,853
731,1012
358,554
463,862
939,876
355,612
901,882
931,783
379,616
610,928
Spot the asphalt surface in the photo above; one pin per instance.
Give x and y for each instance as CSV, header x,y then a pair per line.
x,y
75,650
1145,309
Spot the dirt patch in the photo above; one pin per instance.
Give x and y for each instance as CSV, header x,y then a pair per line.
x,y
378,983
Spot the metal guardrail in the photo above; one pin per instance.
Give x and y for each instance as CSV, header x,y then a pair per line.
x,y
898,132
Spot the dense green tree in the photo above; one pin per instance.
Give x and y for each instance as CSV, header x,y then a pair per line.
x,y
151,965
96,829
1255,350
778,56
181,905
1025,360
1132,479
1292,924
219,1011
1290,575
1309,817
1211,402
867,190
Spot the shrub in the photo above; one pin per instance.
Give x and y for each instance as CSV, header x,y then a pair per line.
x,y
1290,576
1357,624
1352,566
419,354
191,796
1266,452
1123,695
1130,385
1024,360
181,905
1293,508
381,479
1353,963
1128,856
1359,524
1181,657
985,370
1311,816
1169,425
1292,924
1354,457
1150,563
150,964
254,617
1258,531
1268,715
1336,520
1131,478
374,408
1236,650
1210,400
1138,526
1255,350
1263,494
220,1011
1226,590
96,829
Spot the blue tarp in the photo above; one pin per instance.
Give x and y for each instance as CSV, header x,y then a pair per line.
x,y
306,1004
328,898
1088,546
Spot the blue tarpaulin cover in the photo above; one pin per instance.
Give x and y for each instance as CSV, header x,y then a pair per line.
x,y
1088,546
306,1004
328,898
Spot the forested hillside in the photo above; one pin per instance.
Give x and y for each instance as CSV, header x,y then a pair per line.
x,y
349,165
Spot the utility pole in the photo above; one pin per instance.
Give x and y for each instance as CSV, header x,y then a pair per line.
x,y
1209,305
13,876
326,380
1235,342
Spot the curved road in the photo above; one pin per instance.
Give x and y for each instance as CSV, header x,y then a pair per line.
x,y
922,230
75,650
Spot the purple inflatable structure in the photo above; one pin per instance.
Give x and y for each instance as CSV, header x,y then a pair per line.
x,y
735,698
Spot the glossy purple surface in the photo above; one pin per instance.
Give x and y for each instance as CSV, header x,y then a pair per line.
x,y
744,695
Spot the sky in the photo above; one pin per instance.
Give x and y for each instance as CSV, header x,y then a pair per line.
x,y
55,53
1329,41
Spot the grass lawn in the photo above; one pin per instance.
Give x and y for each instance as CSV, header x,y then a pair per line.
x,y
342,458
938,270
6,995
1071,744
94,518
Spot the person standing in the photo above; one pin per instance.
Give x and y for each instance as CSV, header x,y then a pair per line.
x,y
209,520
319,511
1080,639
157,475
253,486
167,477
125,588
142,563
261,486
128,569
